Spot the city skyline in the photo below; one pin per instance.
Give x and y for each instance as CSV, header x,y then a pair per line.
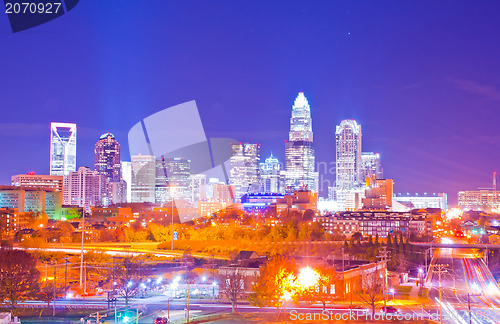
x,y
431,117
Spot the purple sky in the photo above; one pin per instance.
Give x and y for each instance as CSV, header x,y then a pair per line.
x,y
421,77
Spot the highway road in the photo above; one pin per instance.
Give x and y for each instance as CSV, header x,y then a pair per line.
x,y
465,280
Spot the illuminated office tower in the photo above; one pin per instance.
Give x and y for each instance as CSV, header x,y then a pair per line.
x,y
270,175
107,157
299,151
62,148
348,155
172,173
197,186
126,170
107,163
143,178
370,165
244,173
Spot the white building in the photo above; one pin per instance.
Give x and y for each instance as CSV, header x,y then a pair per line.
x,y
270,175
482,199
370,165
143,178
84,188
435,200
244,173
126,169
62,148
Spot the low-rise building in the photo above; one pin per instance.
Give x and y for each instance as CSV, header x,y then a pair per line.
x,y
374,223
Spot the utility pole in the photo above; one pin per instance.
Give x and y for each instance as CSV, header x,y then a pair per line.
x,y
440,270
81,254
66,279
54,293
383,254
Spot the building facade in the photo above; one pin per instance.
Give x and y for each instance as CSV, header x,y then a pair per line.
x,y
271,176
62,148
381,223
34,181
424,201
24,199
244,172
370,165
126,169
197,187
84,188
348,155
172,177
107,163
483,199
378,193
143,178
299,152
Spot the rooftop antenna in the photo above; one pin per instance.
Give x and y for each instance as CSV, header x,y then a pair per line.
x,y
495,181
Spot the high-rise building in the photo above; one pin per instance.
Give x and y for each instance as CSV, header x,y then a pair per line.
x,y
107,163
84,188
370,165
172,176
107,157
299,151
34,181
348,155
126,167
62,148
143,178
197,186
244,173
270,175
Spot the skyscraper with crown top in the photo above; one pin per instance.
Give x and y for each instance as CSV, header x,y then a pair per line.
x,y
299,151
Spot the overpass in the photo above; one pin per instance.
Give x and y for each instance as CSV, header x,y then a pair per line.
x,y
458,246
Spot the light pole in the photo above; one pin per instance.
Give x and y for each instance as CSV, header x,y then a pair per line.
x,y
172,190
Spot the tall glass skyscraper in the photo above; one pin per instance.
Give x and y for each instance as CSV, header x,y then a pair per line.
x,y
299,151
270,175
244,173
107,163
62,148
143,178
370,165
172,173
107,157
348,155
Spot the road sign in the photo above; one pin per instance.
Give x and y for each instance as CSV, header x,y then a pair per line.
x,y
175,235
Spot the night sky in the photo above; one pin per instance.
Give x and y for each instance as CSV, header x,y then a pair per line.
x,y
421,77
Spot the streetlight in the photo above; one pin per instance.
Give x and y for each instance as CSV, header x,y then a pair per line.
x,y
286,297
308,277
172,190
391,291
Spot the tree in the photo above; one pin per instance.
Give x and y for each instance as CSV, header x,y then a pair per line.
x,y
372,290
273,282
18,276
325,289
232,285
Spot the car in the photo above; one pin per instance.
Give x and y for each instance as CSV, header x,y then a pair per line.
x,y
390,310
161,320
